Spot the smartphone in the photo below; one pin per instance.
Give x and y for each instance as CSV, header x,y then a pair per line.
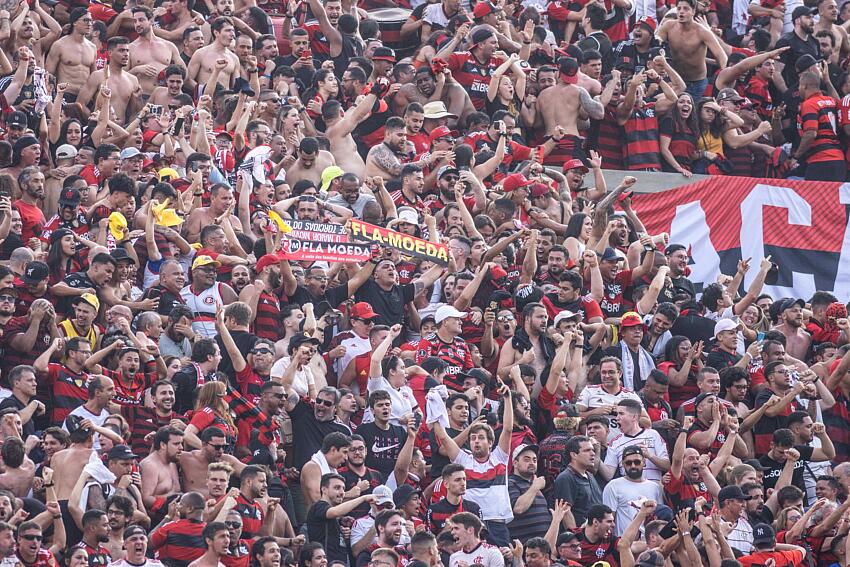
x,y
156,109
194,167
417,421
305,54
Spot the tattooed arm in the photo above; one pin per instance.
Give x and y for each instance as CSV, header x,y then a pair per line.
x,y
591,106
386,160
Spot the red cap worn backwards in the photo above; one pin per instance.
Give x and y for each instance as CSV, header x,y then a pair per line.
x,y
568,68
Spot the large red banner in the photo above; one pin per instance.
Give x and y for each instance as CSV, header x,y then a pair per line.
x,y
801,224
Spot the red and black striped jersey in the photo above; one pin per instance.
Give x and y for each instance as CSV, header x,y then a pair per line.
x,y
131,392
643,150
143,420
178,543
267,323
69,390
18,326
455,354
439,512
252,516
99,557
820,113
238,555
609,138
602,550
758,91
473,75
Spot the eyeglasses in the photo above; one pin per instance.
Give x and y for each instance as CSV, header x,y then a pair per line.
x,y
262,351
326,403
365,321
32,537
357,449
233,524
274,100
218,447
451,178
9,298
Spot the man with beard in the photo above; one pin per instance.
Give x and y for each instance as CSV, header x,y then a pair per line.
x,y
31,183
260,297
253,485
412,188
26,152
569,296
160,472
387,158
448,345
29,549
101,268
357,474
72,58
95,533
454,483
788,314
124,87
425,89
221,201
350,194
81,323
205,293
690,477
677,260
386,296
323,517
800,40
178,540
194,465
633,55
135,549
389,525
621,493
176,339
265,552
145,421
531,512
149,54
556,264
530,344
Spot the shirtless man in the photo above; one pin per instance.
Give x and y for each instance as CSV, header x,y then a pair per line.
x,y
430,88
217,537
149,54
195,464
689,41
218,479
184,19
310,164
126,91
385,159
202,64
340,125
828,12
221,200
789,316
160,475
68,464
18,469
72,58
559,106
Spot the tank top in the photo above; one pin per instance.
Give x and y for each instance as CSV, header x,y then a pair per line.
x,y
203,308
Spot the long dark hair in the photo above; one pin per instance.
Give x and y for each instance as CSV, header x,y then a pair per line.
x,y
671,350
56,260
575,224
63,132
689,124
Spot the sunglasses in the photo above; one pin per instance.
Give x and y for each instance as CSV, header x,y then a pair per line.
x,y
503,318
634,463
262,351
32,537
9,298
279,396
326,403
233,524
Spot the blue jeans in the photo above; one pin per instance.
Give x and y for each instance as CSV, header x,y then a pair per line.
x,y
696,89
497,533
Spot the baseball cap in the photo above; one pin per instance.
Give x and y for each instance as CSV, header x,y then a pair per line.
x,y
700,397
204,260
89,298
445,170
763,534
523,448
539,189
408,215
66,151
725,325
20,145
732,492
446,311
59,233
439,132
121,255
483,8
575,164
800,11
129,153
383,53
299,339
610,255
568,68
266,261
168,174
480,35
362,310
70,197
17,119
329,174
781,305
631,450
35,272
134,530
120,452
515,181
647,21
566,315
650,558
630,319
804,61
383,494
728,94
756,464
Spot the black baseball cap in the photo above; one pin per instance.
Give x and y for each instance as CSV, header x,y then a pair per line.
x,y
70,197
35,272
299,339
17,119
119,452
732,492
121,255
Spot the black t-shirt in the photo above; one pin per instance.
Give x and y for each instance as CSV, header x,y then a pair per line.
x,y
334,296
388,304
167,300
352,478
438,461
76,280
326,531
775,468
720,359
310,433
382,446
245,341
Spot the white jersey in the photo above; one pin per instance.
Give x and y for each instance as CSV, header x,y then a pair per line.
x,y
485,555
620,493
487,484
648,438
594,396
203,308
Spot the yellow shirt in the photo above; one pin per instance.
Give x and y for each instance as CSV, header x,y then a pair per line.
x,y
708,142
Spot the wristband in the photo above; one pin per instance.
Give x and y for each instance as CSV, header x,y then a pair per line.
x,y
46,485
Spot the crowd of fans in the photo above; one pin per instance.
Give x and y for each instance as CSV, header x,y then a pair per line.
x,y
179,388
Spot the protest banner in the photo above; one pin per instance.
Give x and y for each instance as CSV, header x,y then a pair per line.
x,y
317,231
437,253
304,250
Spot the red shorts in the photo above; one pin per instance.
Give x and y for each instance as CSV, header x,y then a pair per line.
x,y
570,147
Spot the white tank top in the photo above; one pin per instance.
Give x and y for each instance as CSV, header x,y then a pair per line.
x,y
203,308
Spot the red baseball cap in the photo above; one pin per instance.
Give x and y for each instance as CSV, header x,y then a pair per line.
x,y
483,8
575,164
362,310
630,319
539,189
266,261
649,22
439,132
515,181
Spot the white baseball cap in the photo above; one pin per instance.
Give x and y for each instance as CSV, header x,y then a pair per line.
x,y
446,311
566,314
726,325
383,494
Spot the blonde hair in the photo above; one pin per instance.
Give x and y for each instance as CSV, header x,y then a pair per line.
x,y
211,395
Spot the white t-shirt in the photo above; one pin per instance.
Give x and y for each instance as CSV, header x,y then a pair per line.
x,y
485,555
621,492
646,437
594,396
403,400
96,419
354,346
302,379
493,498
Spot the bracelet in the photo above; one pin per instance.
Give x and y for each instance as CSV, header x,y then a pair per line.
x,y
48,485
57,517
526,43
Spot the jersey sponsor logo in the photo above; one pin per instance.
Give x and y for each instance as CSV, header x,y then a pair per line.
x,y
376,449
